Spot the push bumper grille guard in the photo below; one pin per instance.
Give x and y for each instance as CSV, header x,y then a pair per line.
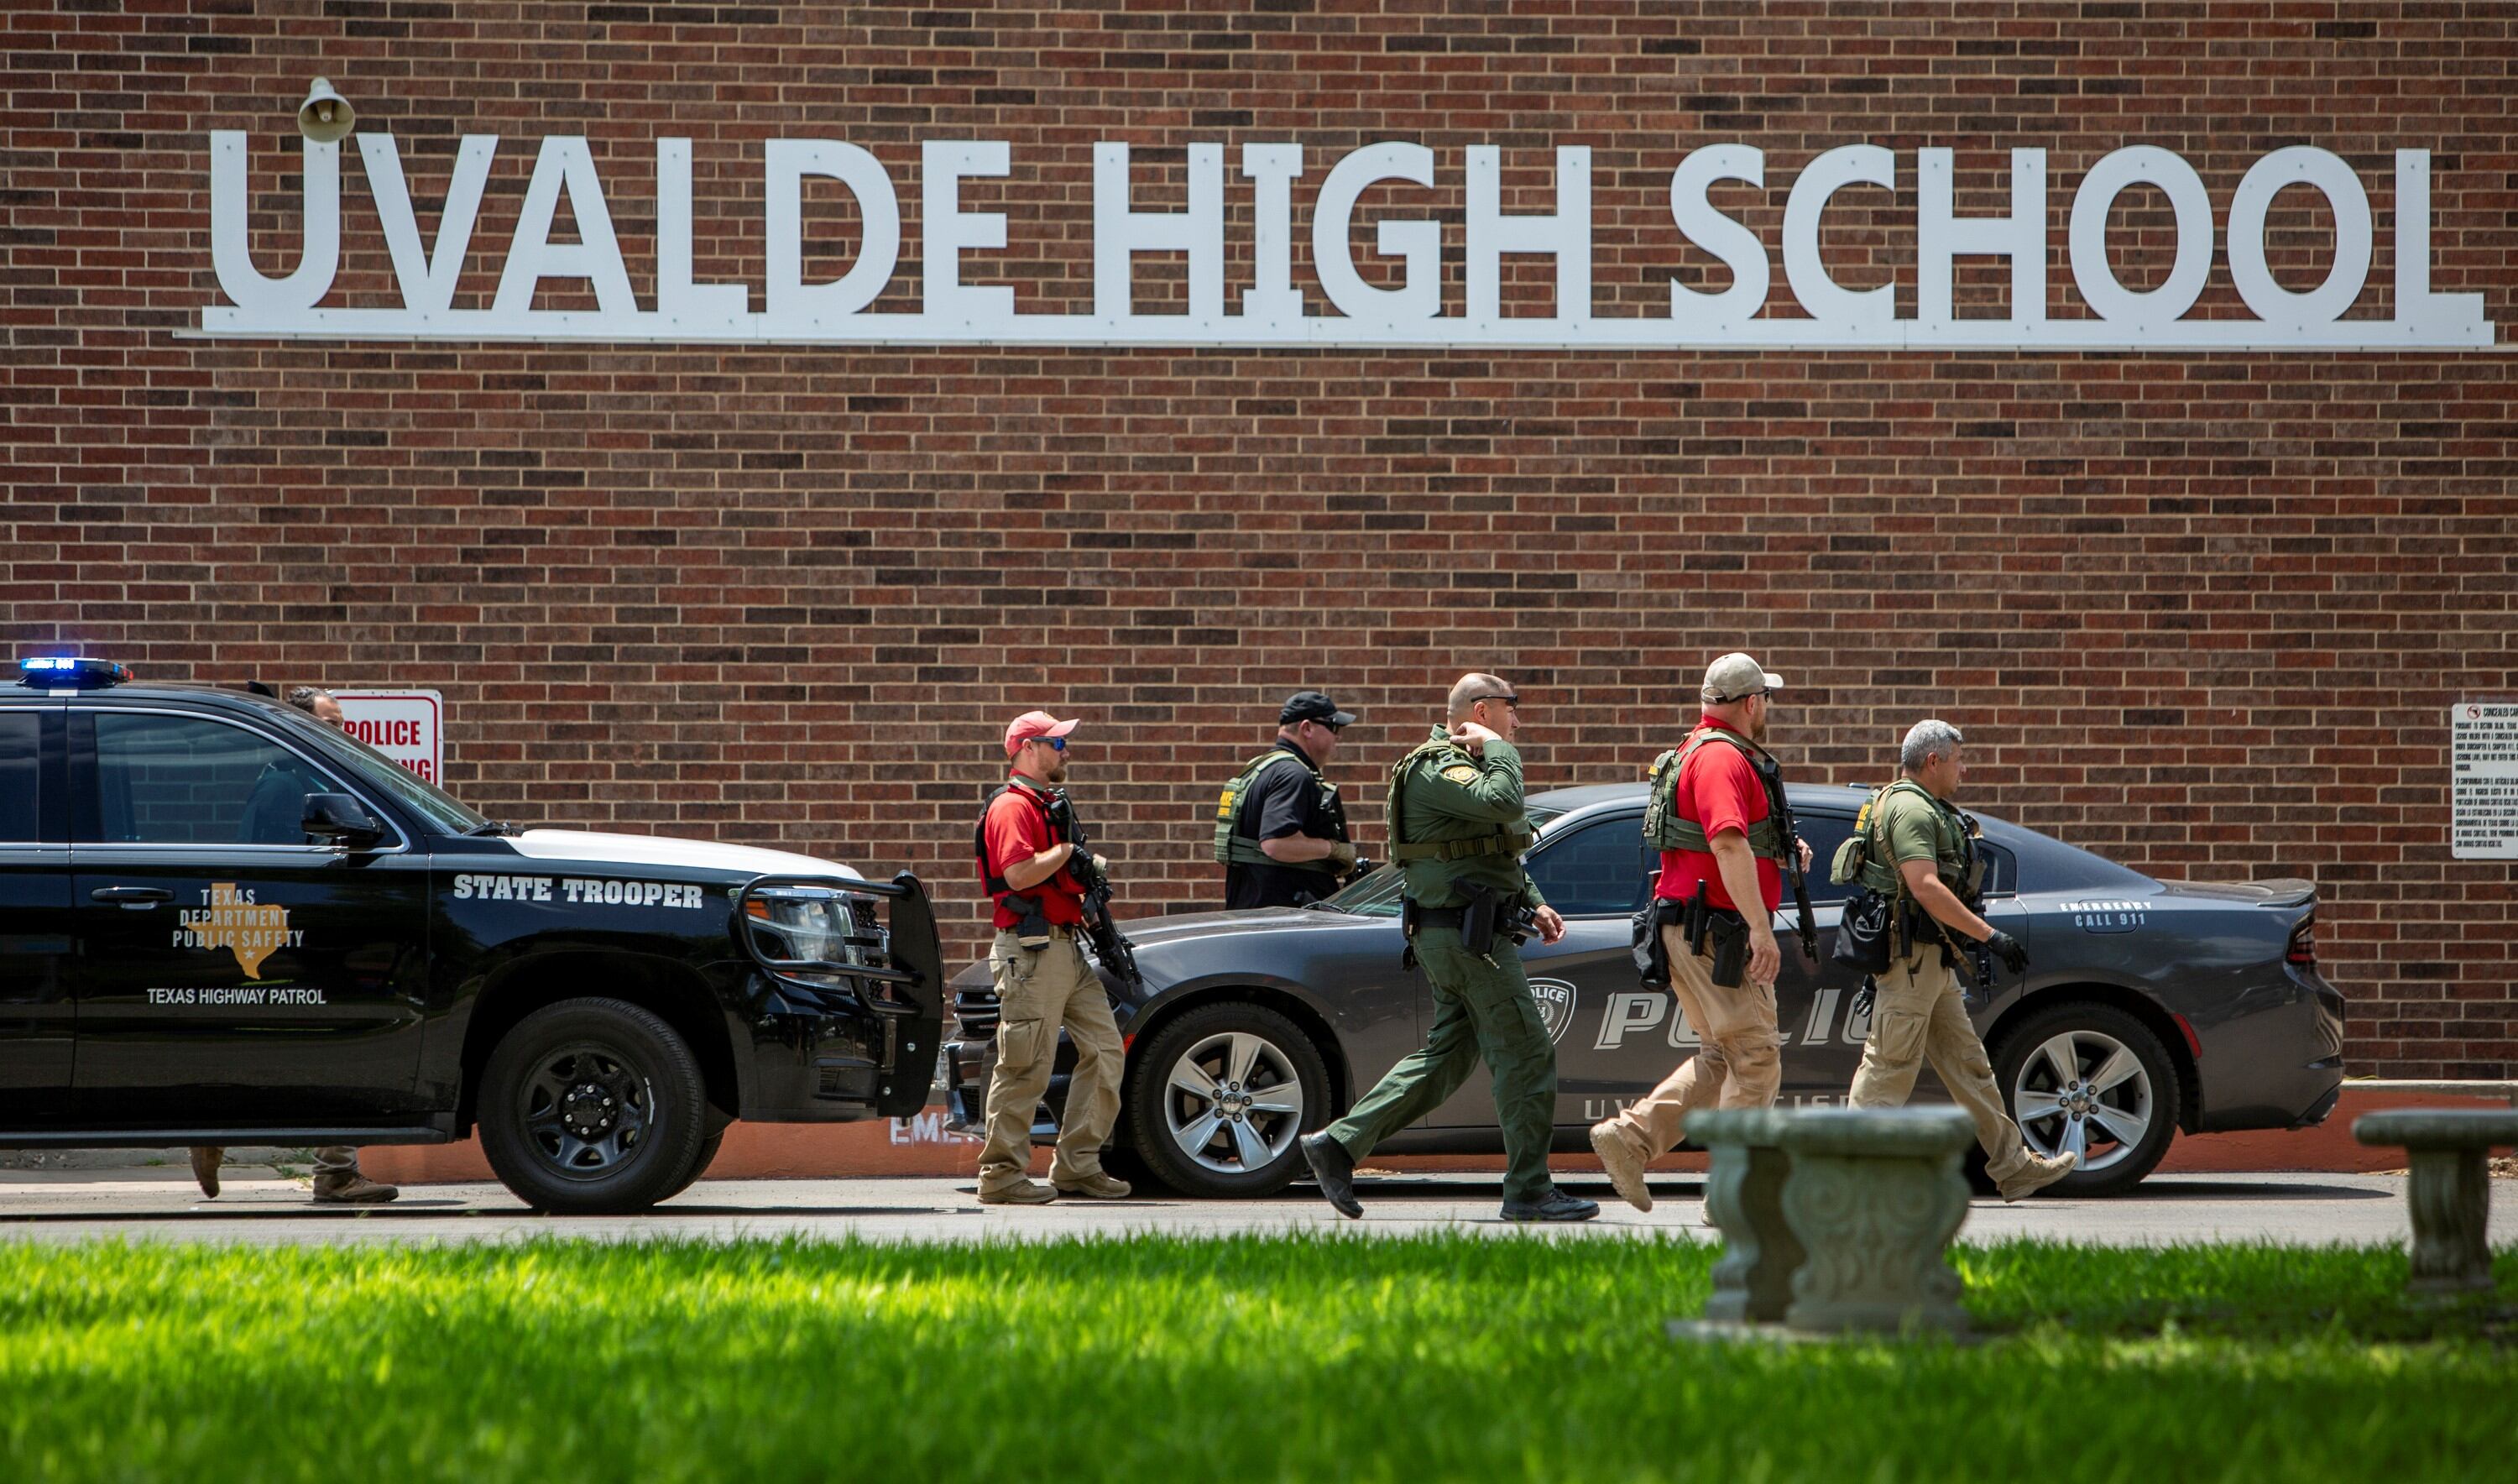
x,y
898,972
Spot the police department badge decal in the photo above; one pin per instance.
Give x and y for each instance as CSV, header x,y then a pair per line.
x,y
232,920
1555,999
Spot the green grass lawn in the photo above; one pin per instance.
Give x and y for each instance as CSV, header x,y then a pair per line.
x,y
1244,1359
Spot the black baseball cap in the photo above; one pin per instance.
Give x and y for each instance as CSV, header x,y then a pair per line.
x,y
1313,706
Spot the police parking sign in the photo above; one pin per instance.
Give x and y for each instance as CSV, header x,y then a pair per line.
x,y
405,726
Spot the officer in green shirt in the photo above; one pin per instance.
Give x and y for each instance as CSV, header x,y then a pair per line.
x,y
1457,829
1922,854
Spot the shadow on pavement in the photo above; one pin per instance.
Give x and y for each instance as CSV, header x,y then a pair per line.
x,y
2220,1189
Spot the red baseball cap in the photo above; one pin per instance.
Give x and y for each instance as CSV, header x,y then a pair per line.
x,y
1033,723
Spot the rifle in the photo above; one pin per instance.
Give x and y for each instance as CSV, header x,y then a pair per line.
x,y
1109,945
1793,872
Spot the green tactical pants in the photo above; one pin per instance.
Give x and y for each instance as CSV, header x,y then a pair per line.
x,y
1481,1009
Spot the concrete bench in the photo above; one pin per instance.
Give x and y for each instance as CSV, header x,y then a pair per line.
x,y
2451,1189
1839,1218
1743,1196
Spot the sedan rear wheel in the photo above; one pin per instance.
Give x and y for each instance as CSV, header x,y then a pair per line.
x,y
1219,1097
2091,1080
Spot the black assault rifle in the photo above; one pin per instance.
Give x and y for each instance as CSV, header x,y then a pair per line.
x,y
1793,872
1109,945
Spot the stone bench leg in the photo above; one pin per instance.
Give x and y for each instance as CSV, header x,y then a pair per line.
x,y
1753,1284
2452,1203
1875,1197
2447,1150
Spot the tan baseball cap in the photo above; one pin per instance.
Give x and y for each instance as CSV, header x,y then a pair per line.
x,y
1734,675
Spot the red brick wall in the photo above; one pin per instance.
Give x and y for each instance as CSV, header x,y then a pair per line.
x,y
2203,613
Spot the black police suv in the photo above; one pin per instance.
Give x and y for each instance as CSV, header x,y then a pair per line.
x,y
223,922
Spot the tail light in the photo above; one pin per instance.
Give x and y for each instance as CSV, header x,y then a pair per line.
x,y
2303,944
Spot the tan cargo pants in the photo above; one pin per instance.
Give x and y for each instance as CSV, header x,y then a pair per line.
x,y
1037,992
1739,1063
1918,1014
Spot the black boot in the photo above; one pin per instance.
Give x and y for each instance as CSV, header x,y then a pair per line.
x,y
1334,1169
1555,1205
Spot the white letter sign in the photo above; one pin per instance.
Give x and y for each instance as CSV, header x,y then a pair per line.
x,y
1279,303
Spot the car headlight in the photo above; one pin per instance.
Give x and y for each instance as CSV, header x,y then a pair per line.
x,y
801,924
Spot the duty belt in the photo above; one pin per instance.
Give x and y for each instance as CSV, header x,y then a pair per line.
x,y
1441,917
1511,843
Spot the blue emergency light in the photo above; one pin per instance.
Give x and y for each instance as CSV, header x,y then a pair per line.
x,y
63,672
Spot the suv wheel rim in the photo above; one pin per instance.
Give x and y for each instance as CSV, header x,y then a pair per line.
x,y
586,1111
1234,1103
2083,1092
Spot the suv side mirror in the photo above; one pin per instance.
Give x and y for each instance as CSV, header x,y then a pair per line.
x,y
340,819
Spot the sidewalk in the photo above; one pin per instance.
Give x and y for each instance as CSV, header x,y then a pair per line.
x,y
922,1146
2294,1210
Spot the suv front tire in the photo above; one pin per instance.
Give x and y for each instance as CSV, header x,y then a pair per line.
x,y
593,1106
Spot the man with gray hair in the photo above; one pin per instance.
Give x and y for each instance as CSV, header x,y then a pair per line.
x,y
1920,851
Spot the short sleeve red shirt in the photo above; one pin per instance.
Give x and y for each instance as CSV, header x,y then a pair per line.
x,y
1719,790
1015,830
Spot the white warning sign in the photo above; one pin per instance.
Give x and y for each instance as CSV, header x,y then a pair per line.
x,y
405,726
2482,754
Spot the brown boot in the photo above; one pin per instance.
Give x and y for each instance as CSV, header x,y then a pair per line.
x,y
1625,1171
354,1189
207,1159
2036,1174
1096,1186
1021,1192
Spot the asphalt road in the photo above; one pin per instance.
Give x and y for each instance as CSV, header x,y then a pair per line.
x,y
256,1207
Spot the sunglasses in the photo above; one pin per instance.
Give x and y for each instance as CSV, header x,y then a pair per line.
x,y
1054,744
1512,701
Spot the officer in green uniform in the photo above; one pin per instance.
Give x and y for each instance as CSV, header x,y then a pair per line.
x,y
1920,851
1458,828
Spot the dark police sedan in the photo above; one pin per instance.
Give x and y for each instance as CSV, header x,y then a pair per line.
x,y
2149,1007
223,922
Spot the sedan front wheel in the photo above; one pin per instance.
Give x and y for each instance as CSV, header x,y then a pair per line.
x,y
1218,1098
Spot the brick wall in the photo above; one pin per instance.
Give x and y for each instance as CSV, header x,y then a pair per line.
x,y
2203,613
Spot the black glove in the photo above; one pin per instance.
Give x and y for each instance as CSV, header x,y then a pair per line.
x,y
2011,950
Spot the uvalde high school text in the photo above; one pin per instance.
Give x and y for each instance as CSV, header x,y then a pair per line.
x,y
1273,312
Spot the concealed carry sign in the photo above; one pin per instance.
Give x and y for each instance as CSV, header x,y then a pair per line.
x,y
2483,799
405,726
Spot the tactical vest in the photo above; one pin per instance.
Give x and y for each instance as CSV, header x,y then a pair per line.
x,y
996,884
1235,846
1668,830
1878,871
1505,841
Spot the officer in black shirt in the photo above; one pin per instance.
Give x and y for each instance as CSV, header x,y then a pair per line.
x,y
1280,828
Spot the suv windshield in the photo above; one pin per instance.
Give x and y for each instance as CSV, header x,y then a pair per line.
x,y
440,810
1377,894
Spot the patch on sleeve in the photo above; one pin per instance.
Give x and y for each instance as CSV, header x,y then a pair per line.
x,y
1461,773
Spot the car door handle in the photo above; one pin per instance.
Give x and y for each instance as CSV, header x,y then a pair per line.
x,y
139,898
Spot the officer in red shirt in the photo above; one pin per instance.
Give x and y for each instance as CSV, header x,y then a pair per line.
x,y
1043,981
1723,815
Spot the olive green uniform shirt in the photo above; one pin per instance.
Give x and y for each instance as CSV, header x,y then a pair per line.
x,y
1448,792
1916,826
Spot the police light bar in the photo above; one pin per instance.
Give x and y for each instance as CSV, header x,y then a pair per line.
x,y
61,672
